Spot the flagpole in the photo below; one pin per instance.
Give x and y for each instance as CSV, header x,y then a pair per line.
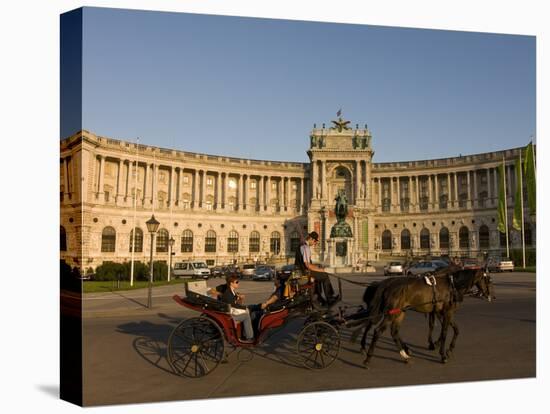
x,y
521,201
135,208
505,207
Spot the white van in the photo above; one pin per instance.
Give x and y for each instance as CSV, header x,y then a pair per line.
x,y
194,269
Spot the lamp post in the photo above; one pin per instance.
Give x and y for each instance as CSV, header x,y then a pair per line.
x,y
171,245
152,227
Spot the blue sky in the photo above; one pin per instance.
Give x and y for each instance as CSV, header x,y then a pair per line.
x,y
253,88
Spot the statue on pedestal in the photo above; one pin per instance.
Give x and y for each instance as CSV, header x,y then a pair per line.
x,y
341,228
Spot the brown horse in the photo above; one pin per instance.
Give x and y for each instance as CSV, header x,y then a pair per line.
x,y
392,299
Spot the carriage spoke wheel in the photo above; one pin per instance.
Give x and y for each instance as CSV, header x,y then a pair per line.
x,y
195,347
318,345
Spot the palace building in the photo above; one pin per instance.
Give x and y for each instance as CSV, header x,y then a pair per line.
x,y
224,209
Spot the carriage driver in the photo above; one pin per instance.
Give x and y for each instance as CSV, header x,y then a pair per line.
x,y
322,280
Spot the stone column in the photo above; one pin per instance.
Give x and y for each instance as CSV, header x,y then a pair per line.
x,y
171,188
154,177
246,184
301,206
179,186
455,174
398,183
287,192
118,195
469,202
474,199
417,181
430,194
379,206
489,190
357,181
145,179
219,191
261,200
239,197
196,197
224,190
324,182
203,188
268,193
280,192
436,188
101,176
128,178
410,194
449,203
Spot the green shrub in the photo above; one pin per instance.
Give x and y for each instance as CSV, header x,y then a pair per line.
x,y
530,257
160,271
109,271
141,271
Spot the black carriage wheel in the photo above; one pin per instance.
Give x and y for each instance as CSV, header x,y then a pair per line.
x,y
318,345
195,347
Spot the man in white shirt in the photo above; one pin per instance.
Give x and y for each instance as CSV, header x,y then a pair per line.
x,y
323,287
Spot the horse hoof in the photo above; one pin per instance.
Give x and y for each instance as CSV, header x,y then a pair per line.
x,y
431,347
444,360
409,352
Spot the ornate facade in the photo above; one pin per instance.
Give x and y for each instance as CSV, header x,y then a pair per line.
x,y
223,209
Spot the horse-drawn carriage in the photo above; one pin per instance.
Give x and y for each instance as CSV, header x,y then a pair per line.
x,y
197,345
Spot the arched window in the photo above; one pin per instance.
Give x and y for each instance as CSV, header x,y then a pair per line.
x,y
62,239
444,238
210,242
528,234
425,238
464,237
187,241
386,240
162,241
484,237
294,241
405,239
138,239
108,240
275,243
233,242
254,242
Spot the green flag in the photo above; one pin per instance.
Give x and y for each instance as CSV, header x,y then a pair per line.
x,y
518,213
501,199
530,180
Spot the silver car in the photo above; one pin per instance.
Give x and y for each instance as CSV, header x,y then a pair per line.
x,y
393,268
421,268
248,271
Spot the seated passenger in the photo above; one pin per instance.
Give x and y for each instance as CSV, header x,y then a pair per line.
x,y
239,312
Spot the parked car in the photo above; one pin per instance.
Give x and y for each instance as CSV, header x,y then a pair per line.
x,y
248,271
285,271
393,268
194,269
501,265
472,264
264,273
216,271
423,267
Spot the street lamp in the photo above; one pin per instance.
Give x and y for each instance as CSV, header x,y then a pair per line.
x,y
152,227
171,245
